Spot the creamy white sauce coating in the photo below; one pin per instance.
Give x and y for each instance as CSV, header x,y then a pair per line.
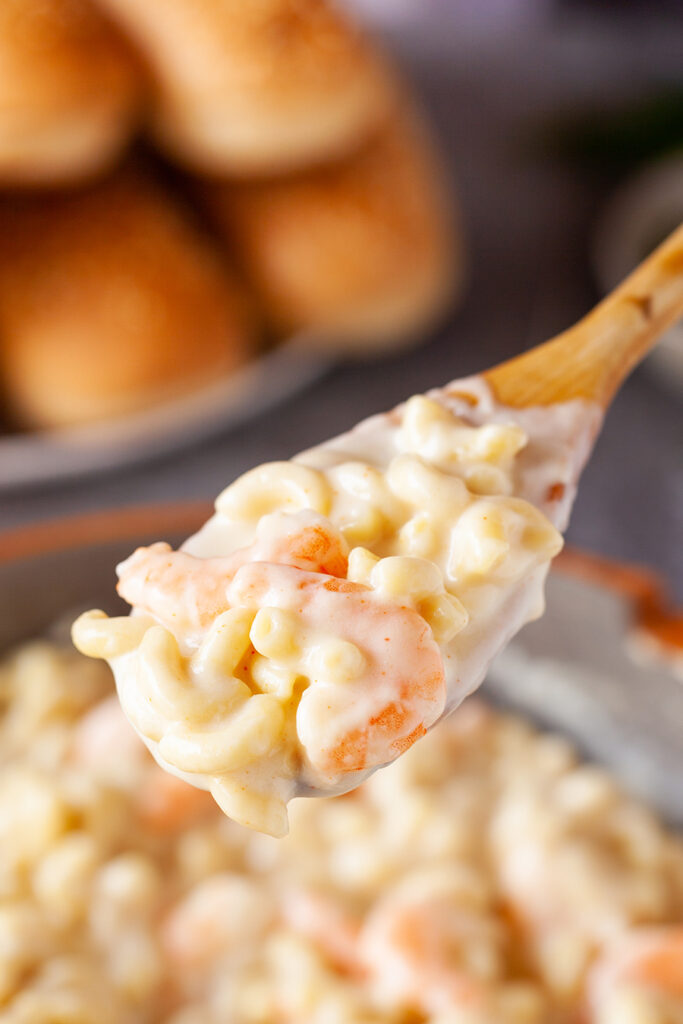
x,y
546,473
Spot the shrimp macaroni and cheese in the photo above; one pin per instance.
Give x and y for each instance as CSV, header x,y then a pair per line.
x,y
336,605
487,877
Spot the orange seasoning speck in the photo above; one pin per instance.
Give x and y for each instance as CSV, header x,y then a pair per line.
x,y
555,492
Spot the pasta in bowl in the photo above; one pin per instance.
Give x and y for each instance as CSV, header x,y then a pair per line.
x,y
336,606
486,877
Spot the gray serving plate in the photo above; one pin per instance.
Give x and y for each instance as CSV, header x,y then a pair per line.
x,y
572,671
42,456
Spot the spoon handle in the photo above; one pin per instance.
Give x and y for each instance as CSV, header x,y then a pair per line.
x,y
591,359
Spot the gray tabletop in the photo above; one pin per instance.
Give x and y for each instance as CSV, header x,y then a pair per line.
x,y
527,222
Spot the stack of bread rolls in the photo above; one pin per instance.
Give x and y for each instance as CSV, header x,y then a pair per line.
x,y
287,185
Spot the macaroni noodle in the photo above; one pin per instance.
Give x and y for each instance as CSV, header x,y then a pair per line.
x,y
485,877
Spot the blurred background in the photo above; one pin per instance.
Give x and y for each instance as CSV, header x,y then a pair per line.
x,y
170,317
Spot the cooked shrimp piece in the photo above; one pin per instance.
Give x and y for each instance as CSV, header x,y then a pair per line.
x,y
303,539
429,944
644,969
186,593
183,592
166,804
327,924
105,743
376,676
214,921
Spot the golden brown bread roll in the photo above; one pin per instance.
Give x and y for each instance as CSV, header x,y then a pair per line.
x,y
361,255
257,86
69,91
110,300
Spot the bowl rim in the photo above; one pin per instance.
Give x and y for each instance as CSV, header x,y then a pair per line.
x,y
90,528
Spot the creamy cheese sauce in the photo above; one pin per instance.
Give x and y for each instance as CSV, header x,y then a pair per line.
x,y
487,876
336,606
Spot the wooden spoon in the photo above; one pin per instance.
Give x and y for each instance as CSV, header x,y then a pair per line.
x,y
592,358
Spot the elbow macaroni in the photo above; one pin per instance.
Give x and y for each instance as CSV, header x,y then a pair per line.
x,y
126,896
435,530
274,487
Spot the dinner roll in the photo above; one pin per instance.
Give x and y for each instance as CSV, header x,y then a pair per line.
x,y
257,86
359,256
111,300
69,91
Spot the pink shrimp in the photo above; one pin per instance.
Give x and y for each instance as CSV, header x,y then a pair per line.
x,y
327,924
106,745
368,721
415,946
215,921
104,742
186,593
649,960
166,804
